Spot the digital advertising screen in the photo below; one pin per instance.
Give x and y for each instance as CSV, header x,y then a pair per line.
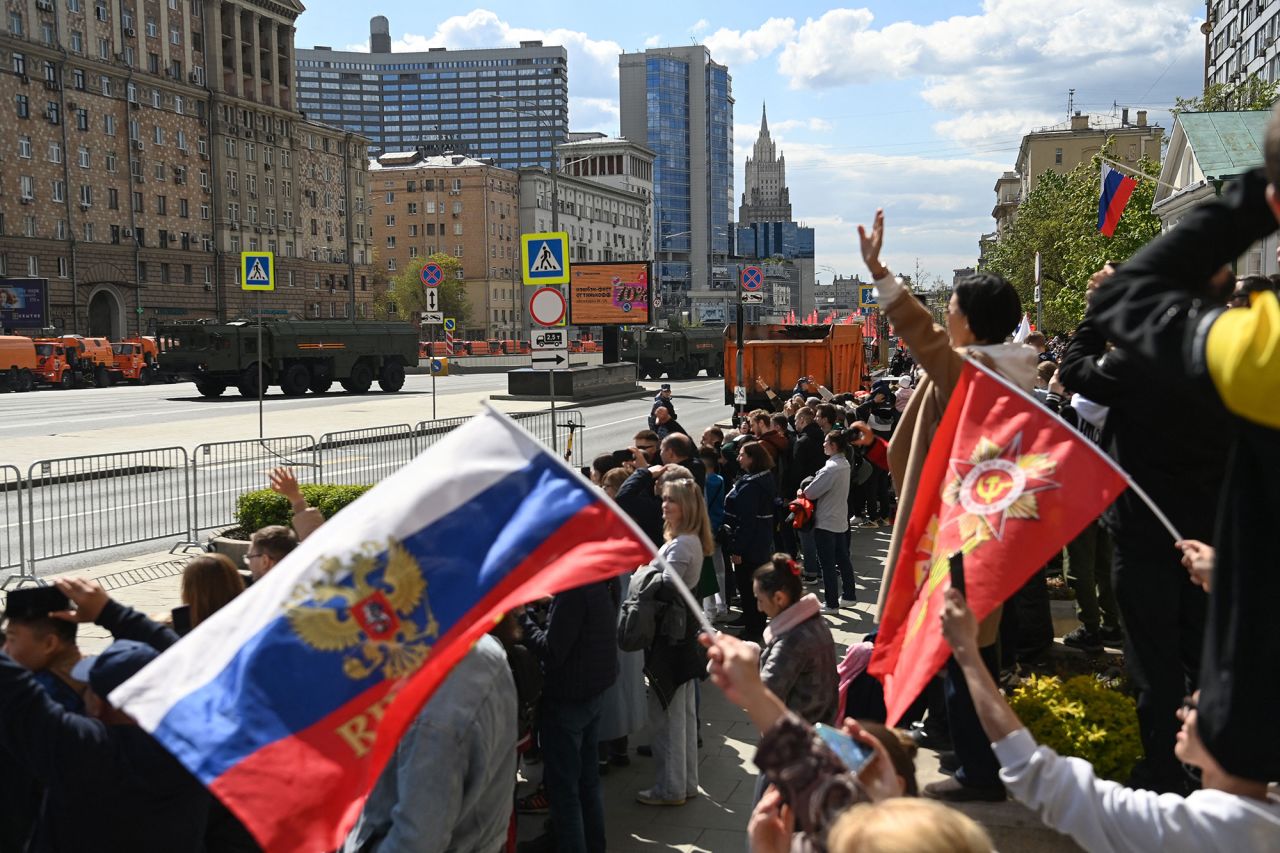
x,y
610,293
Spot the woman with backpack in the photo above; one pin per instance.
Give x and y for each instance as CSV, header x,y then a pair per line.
x,y
673,663
829,490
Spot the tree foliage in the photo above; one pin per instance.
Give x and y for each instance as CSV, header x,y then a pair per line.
x,y
1254,93
1059,219
404,297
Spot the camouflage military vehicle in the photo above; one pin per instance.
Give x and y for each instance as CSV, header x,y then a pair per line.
x,y
679,353
297,355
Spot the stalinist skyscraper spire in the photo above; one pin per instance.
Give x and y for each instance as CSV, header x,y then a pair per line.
x,y
765,197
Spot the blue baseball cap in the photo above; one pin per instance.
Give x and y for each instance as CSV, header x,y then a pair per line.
x,y
117,664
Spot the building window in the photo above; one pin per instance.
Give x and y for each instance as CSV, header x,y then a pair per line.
x,y
33,266
24,147
1057,156
23,105
62,267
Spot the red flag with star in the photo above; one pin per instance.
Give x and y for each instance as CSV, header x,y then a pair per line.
x,y
1007,483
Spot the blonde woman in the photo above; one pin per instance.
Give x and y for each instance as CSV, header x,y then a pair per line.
x,y
672,663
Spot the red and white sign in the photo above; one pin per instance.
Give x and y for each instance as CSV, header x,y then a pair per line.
x,y
547,306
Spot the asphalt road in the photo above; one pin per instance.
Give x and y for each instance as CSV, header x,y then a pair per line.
x,y
147,510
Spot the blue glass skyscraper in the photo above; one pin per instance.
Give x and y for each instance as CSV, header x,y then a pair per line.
x,y
679,102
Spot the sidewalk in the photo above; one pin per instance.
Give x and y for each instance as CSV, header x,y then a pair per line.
x,y
716,821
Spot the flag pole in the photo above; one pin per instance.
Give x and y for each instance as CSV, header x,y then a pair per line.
x,y
1137,490
1138,172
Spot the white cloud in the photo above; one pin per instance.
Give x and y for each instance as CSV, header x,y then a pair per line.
x,y
738,47
984,128
817,125
600,114
701,25
653,41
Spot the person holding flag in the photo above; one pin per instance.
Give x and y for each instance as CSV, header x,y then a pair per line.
x,y
983,311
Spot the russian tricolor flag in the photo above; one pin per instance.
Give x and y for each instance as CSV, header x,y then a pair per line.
x,y
289,701
1116,189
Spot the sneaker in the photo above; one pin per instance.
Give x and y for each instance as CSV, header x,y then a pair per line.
x,y
948,762
952,791
855,520
870,524
1084,639
831,609
535,803
848,599
649,797
1111,635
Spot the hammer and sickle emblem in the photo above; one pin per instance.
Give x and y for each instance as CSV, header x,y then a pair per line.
x,y
991,487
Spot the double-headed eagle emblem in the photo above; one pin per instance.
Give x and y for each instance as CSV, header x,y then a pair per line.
x,y
372,618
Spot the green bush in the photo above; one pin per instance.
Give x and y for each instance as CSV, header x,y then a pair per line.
x,y
255,510
1083,718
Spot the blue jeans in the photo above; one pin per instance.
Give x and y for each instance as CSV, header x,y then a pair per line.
x,y
837,570
571,774
978,765
809,549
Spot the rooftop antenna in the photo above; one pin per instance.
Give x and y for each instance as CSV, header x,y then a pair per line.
x,y
1071,102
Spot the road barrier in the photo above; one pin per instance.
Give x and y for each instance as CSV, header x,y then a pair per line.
x,y
12,533
224,470
86,503
357,456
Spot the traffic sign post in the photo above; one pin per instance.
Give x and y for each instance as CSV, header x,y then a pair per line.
x,y
751,279
258,272
431,296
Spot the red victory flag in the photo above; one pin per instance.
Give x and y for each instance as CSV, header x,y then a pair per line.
x,y
1006,483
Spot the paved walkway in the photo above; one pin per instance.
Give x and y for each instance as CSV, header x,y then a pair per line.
x,y
714,822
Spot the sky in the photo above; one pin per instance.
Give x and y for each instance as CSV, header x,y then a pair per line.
x,y
916,107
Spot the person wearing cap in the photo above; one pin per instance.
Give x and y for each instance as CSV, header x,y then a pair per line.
x,y
109,786
1227,363
661,400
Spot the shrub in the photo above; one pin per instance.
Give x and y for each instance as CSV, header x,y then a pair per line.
x,y
255,510
1083,718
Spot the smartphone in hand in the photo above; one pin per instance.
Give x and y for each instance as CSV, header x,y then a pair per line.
x,y
854,755
181,620
957,572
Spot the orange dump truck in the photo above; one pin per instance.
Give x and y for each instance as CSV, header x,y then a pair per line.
x,y
63,360
17,363
135,359
780,355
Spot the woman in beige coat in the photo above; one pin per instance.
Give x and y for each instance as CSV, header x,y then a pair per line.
x,y
984,310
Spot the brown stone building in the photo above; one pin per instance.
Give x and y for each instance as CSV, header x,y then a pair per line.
x,y
147,142
459,206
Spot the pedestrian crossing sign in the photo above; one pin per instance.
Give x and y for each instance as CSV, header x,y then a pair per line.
x,y
257,271
545,258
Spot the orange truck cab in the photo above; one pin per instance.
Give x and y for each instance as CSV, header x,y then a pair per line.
x,y
88,358
52,365
135,359
18,363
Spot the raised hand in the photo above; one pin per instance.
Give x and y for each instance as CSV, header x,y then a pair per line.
x,y
872,244
88,596
284,483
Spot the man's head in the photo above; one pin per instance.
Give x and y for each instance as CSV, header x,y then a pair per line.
x,y
122,660
804,417
1249,285
32,637
813,402
646,441
676,447
759,422
778,421
267,547
827,416
712,436
1036,341
665,390
601,465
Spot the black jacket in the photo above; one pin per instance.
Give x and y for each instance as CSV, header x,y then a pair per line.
x,y
125,623
1153,434
807,457
108,788
1151,308
579,646
748,513
638,500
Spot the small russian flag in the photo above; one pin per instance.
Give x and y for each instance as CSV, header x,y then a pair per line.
x,y
1116,189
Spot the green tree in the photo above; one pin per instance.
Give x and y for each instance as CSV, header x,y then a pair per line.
x,y
1059,219
1254,93
404,297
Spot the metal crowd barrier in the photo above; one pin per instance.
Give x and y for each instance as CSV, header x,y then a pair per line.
x,y
12,533
224,470
85,503
357,456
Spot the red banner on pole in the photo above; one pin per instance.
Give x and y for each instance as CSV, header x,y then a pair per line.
x,y
1007,484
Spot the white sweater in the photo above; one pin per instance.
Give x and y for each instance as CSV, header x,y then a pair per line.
x,y
1105,816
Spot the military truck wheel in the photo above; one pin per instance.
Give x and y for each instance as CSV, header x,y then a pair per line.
x,y
391,378
101,379
295,380
248,384
210,387
360,379
681,370
27,382
320,384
